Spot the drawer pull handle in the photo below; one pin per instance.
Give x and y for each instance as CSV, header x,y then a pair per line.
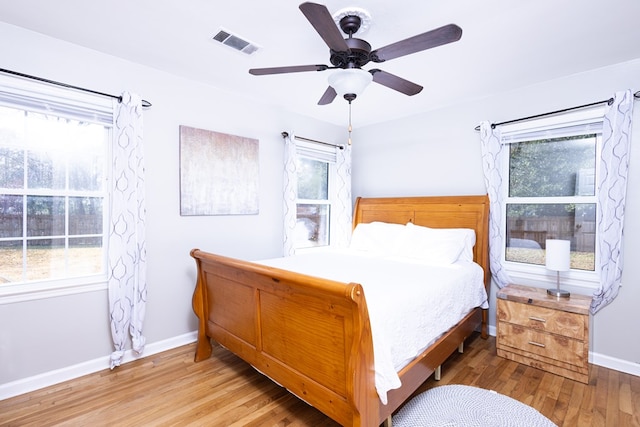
x,y
537,344
537,319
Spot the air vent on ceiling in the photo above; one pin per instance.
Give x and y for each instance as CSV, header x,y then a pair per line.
x,y
235,42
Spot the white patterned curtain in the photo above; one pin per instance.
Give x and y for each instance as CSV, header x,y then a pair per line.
x,y
494,156
612,185
290,192
127,247
342,231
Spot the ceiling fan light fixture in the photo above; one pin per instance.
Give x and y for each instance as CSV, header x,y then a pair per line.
x,y
350,82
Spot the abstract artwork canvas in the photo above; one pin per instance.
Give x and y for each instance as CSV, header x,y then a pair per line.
x,y
219,173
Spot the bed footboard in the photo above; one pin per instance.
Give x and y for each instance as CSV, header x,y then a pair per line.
x,y
310,335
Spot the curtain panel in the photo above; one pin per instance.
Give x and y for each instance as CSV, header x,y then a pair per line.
x,y
494,156
612,187
290,192
342,235
127,248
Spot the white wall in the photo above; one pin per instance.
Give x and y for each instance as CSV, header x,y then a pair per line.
x,y
45,340
438,153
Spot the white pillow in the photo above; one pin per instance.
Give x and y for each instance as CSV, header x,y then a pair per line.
x,y
436,245
376,237
469,237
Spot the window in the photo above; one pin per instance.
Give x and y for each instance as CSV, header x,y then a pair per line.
x,y
53,184
315,167
551,192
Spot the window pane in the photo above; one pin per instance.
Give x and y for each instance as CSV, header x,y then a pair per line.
x,y
12,141
86,165
45,216
85,256
10,216
85,215
45,259
312,226
313,179
529,225
553,167
11,168
46,170
11,261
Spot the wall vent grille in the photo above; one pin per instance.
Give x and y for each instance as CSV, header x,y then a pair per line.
x,y
236,42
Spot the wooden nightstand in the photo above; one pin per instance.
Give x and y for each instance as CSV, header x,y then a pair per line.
x,y
543,331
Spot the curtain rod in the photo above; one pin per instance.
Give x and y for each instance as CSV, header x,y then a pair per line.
x,y
301,138
145,103
608,101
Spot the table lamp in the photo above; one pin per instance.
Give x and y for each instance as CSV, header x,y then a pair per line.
x,y
558,259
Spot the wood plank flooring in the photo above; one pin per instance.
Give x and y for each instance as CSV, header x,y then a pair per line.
x,y
169,389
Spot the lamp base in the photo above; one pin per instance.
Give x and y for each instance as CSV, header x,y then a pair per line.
x,y
559,293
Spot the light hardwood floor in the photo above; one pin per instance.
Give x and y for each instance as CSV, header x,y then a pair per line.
x,y
169,389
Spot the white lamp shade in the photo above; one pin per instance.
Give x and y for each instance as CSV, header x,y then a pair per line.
x,y
350,81
558,256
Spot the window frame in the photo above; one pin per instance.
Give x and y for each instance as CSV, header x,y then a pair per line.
x,y
27,95
325,154
568,124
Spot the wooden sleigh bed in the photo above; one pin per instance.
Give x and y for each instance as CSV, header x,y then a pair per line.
x,y
313,335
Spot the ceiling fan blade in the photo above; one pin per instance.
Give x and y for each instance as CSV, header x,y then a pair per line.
x,y
319,16
443,35
328,96
394,82
290,69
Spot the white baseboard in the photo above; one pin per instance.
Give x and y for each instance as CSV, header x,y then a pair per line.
x,y
614,363
47,379
601,360
492,330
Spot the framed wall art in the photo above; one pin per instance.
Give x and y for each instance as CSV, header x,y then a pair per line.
x,y
219,173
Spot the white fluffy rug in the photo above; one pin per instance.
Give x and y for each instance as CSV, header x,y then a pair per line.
x,y
461,405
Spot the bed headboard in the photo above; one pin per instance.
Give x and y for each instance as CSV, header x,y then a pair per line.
x,y
436,212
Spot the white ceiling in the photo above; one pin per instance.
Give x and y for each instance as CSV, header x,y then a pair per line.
x,y
505,44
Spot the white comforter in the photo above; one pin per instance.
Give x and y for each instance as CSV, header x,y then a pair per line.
x,y
410,303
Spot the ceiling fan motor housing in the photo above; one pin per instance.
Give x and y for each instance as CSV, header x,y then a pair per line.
x,y
359,54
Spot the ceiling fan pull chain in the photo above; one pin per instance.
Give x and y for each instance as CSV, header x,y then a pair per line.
x,y
349,128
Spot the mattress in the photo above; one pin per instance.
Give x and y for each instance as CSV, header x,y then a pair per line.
x,y
411,303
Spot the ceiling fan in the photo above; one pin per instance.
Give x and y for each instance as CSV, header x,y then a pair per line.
x,y
351,54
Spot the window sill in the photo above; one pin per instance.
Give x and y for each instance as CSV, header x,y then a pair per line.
x,y
582,282
15,293
323,248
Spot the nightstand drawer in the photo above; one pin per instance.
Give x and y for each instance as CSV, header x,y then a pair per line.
x,y
552,346
542,319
